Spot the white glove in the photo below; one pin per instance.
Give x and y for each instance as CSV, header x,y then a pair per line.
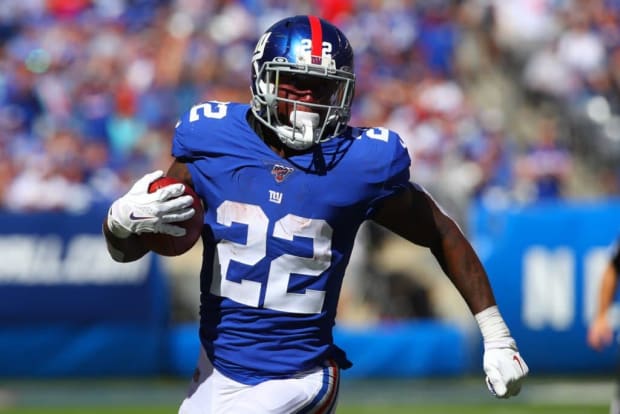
x,y
504,367
139,211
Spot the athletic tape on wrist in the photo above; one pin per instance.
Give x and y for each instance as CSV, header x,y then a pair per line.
x,y
492,325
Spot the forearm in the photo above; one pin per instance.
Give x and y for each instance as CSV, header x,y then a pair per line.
x,y
461,264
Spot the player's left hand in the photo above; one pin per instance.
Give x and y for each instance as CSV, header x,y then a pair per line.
x,y
504,367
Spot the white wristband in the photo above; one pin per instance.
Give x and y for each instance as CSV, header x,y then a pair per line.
x,y
492,325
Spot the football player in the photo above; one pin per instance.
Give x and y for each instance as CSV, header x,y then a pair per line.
x,y
601,331
286,183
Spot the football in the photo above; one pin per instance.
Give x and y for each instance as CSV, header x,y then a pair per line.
x,y
166,244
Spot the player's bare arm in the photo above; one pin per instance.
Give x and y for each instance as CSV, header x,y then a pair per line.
x,y
414,215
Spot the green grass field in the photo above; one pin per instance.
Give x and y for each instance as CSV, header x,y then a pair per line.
x,y
424,396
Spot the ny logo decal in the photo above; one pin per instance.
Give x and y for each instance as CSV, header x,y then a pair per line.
x,y
275,197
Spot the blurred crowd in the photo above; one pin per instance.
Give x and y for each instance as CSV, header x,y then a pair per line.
x,y
499,100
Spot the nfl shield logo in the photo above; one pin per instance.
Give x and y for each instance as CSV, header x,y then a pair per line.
x,y
280,172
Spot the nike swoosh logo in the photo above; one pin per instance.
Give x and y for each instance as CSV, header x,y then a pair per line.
x,y
134,217
516,358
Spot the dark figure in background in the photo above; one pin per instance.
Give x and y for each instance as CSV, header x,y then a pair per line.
x,y
601,333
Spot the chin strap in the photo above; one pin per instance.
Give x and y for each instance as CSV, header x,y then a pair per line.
x,y
302,134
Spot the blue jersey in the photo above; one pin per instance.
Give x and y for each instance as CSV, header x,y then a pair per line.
x,y
278,235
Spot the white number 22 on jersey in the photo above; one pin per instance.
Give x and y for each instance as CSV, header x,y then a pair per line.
x,y
277,296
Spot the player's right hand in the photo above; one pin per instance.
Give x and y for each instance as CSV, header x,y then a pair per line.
x,y
139,211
